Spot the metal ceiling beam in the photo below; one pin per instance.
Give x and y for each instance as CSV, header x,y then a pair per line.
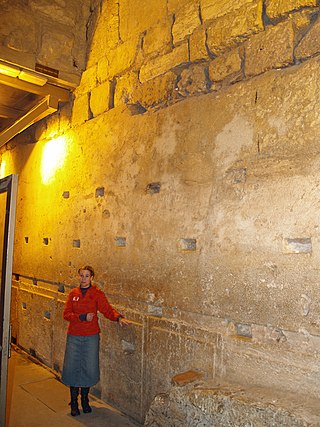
x,y
47,89
9,112
46,107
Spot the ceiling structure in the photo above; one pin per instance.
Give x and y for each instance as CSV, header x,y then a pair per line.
x,y
27,96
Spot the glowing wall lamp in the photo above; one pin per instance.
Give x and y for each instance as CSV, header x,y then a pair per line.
x,y
53,156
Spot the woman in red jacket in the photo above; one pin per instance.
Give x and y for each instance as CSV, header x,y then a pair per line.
x,y
81,359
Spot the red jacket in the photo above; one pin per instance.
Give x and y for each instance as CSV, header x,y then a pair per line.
x,y
93,301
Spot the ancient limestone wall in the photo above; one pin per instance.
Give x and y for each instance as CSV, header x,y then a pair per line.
x,y
46,33
187,172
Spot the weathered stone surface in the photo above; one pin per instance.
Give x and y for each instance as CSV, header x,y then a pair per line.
x,y
55,10
261,54
225,65
88,80
56,49
50,33
198,48
229,30
187,19
12,33
103,29
100,98
164,63
310,44
276,8
136,17
158,38
80,111
126,85
214,9
156,92
228,405
193,81
121,58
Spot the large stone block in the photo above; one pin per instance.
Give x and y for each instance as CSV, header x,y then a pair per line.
x,y
156,92
158,38
223,404
261,54
310,44
56,49
231,29
136,17
121,364
122,57
54,10
193,80
214,9
126,85
13,34
198,48
276,8
187,19
225,65
80,110
88,81
100,99
164,63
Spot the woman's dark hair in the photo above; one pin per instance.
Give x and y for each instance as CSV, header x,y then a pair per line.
x,y
87,267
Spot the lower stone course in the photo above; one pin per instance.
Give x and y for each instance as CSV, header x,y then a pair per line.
x,y
203,404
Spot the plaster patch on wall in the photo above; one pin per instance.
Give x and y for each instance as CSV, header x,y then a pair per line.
x,y
235,136
278,124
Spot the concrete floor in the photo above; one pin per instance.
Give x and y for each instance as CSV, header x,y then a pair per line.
x,y
35,397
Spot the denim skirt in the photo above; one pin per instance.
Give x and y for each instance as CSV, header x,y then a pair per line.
x,y
81,361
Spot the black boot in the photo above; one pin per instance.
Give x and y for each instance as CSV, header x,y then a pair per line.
x,y
74,391
85,400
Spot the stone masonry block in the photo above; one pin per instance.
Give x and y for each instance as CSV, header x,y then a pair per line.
x,y
310,44
193,80
174,5
122,58
157,38
214,9
225,65
100,98
157,91
277,8
231,29
11,33
56,49
53,10
187,19
162,64
136,17
125,87
88,81
80,110
198,49
261,54
102,69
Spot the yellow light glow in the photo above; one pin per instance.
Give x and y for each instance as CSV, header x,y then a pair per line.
x,y
3,169
53,156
